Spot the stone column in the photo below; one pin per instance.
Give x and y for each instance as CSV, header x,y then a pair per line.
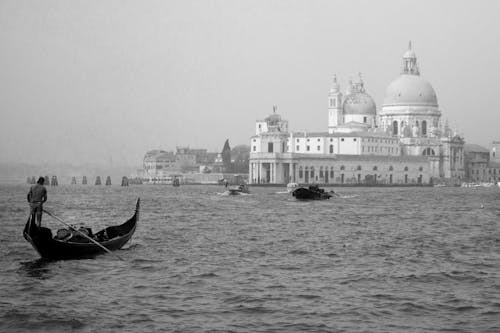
x,y
259,173
275,173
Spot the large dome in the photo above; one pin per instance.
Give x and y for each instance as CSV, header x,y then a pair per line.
x,y
410,90
359,103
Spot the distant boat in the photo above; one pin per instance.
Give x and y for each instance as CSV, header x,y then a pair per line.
x,y
241,189
313,192
75,246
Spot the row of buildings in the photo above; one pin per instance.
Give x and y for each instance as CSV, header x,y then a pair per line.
x,y
196,165
160,166
482,165
405,142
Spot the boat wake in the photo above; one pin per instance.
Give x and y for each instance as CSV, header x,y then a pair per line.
x,y
229,194
346,196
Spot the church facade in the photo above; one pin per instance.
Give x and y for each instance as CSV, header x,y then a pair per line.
x,y
404,143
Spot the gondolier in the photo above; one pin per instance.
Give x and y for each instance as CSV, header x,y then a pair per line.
x,y
36,198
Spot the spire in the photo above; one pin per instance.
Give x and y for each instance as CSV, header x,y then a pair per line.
x,y
350,87
361,83
335,85
410,65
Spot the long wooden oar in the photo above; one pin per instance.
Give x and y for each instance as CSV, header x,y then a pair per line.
x,y
81,233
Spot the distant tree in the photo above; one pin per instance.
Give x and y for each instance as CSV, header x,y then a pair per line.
x,y
240,157
226,157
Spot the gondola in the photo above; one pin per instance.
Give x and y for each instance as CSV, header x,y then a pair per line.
x,y
78,247
313,192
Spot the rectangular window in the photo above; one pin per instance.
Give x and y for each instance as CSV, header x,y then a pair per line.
x,y
308,148
270,147
298,148
254,148
342,139
319,148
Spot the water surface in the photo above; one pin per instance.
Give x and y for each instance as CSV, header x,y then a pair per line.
x,y
372,260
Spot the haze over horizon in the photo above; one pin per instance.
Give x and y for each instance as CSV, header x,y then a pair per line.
x,y
93,81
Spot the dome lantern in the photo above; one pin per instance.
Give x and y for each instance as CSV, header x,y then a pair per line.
x,y
410,65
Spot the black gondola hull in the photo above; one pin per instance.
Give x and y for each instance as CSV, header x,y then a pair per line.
x,y
42,240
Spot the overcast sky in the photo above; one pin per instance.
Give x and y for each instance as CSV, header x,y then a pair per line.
x,y
95,81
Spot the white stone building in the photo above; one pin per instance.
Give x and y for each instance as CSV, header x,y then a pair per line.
x,y
404,143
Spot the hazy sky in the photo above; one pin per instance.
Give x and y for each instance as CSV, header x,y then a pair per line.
x,y
95,80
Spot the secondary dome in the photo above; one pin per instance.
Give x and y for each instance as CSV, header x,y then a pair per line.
x,y
410,90
359,103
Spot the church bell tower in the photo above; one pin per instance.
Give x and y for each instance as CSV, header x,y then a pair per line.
x,y
335,116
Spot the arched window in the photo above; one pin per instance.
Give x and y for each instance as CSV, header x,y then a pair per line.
x,y
342,167
359,167
420,168
312,172
301,172
395,127
424,127
406,168
331,149
320,172
391,168
331,172
375,168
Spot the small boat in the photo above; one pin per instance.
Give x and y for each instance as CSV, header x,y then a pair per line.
x,y
238,190
71,245
313,192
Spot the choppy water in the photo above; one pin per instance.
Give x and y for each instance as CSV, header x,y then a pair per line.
x,y
374,260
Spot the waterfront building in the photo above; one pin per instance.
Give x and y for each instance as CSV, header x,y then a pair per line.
x,y
160,166
405,143
482,165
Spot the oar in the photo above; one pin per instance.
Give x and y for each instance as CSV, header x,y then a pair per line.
x,y
81,233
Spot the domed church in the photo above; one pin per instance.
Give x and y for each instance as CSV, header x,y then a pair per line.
x,y
411,112
405,143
